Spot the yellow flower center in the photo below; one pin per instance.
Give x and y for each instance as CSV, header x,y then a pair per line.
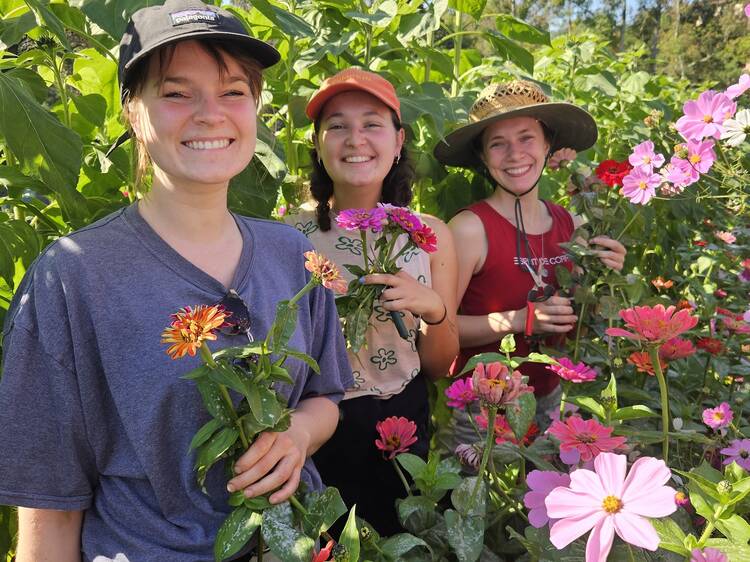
x,y
708,119
500,383
646,159
586,438
612,504
694,159
642,185
719,416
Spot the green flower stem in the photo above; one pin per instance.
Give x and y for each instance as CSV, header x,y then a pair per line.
x,y
563,396
401,476
304,290
209,360
363,237
653,351
457,50
632,220
710,527
491,415
578,331
511,502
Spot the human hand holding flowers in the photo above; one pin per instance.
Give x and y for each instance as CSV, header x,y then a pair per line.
x,y
613,254
403,292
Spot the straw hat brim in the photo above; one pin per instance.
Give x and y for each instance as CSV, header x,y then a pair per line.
x,y
572,126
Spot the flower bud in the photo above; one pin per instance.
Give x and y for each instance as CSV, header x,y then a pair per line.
x,y
340,552
681,499
724,487
365,534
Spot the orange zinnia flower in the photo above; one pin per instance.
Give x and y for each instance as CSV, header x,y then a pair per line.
x,y
643,364
660,283
325,271
190,326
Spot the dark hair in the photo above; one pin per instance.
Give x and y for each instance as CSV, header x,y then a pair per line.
x,y
135,81
396,184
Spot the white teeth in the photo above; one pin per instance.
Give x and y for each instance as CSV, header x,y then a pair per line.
x,y
515,171
357,159
207,145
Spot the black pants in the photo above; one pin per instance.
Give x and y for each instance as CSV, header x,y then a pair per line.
x,y
350,461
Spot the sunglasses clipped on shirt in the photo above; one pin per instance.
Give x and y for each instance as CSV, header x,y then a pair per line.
x,y
238,321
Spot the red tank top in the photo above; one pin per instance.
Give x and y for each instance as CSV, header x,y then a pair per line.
x,y
501,285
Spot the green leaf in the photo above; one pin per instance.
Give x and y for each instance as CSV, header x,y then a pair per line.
x,y
398,545
465,535
214,401
381,17
227,375
634,412
287,22
411,505
49,21
305,358
587,403
264,406
350,536
235,532
283,326
485,358
521,414
323,509
609,394
510,50
472,7
40,142
205,432
609,307
12,30
671,536
412,464
92,107
508,343
112,15
734,527
735,551
519,30
461,496
213,450
280,533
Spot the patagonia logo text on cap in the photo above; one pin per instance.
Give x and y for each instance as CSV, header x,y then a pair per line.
x,y
193,16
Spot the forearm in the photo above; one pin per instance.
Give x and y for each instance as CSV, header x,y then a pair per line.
x,y
489,328
46,535
437,346
318,418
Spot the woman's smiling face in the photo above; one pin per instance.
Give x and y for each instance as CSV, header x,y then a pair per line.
x,y
196,122
514,152
357,141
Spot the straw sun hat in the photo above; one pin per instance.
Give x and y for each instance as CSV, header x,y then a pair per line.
x,y
571,126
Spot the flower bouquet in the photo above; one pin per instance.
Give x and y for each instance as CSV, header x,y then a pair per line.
x,y
398,231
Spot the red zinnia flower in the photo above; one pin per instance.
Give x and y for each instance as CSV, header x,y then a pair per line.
x,y
324,553
424,238
654,324
396,435
588,437
612,172
711,345
676,348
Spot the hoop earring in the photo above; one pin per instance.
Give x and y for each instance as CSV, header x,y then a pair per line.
x,y
395,160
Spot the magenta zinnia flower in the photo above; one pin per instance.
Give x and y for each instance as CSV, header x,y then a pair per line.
x,y
541,483
704,116
362,219
743,84
701,155
708,555
719,417
606,501
676,348
396,436
402,217
495,385
579,372
424,238
461,393
640,185
654,324
588,437
739,452
644,157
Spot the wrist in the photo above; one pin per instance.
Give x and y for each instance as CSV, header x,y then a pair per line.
x,y
436,319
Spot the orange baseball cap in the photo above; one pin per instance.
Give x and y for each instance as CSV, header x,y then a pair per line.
x,y
353,79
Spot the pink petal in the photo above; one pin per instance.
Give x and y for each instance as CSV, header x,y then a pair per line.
x,y
636,530
647,474
564,502
611,470
588,482
600,541
565,531
534,499
621,332
653,503
538,518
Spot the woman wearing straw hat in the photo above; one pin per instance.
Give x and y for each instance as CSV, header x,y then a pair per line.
x,y
359,161
510,241
97,419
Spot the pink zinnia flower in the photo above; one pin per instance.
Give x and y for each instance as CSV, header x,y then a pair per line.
x,y
644,157
362,219
325,271
709,554
579,372
640,186
541,483
654,324
719,417
424,238
704,116
743,84
736,324
396,436
726,237
711,345
402,217
588,437
701,155
461,393
606,501
739,452
676,348
495,385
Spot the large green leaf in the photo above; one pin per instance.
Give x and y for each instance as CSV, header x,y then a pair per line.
x,y
13,29
284,20
472,7
283,537
521,414
40,142
236,530
519,30
48,20
397,546
465,535
112,15
323,509
510,50
350,536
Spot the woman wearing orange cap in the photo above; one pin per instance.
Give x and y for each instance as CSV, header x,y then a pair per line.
x,y
360,161
511,239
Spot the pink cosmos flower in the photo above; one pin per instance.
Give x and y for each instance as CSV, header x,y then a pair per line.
x,y
588,437
739,452
747,10
719,417
607,501
701,155
461,393
743,84
580,372
402,217
424,238
704,116
396,436
676,348
654,324
679,173
640,185
541,483
644,157
726,237
362,219
495,385
736,324
708,554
